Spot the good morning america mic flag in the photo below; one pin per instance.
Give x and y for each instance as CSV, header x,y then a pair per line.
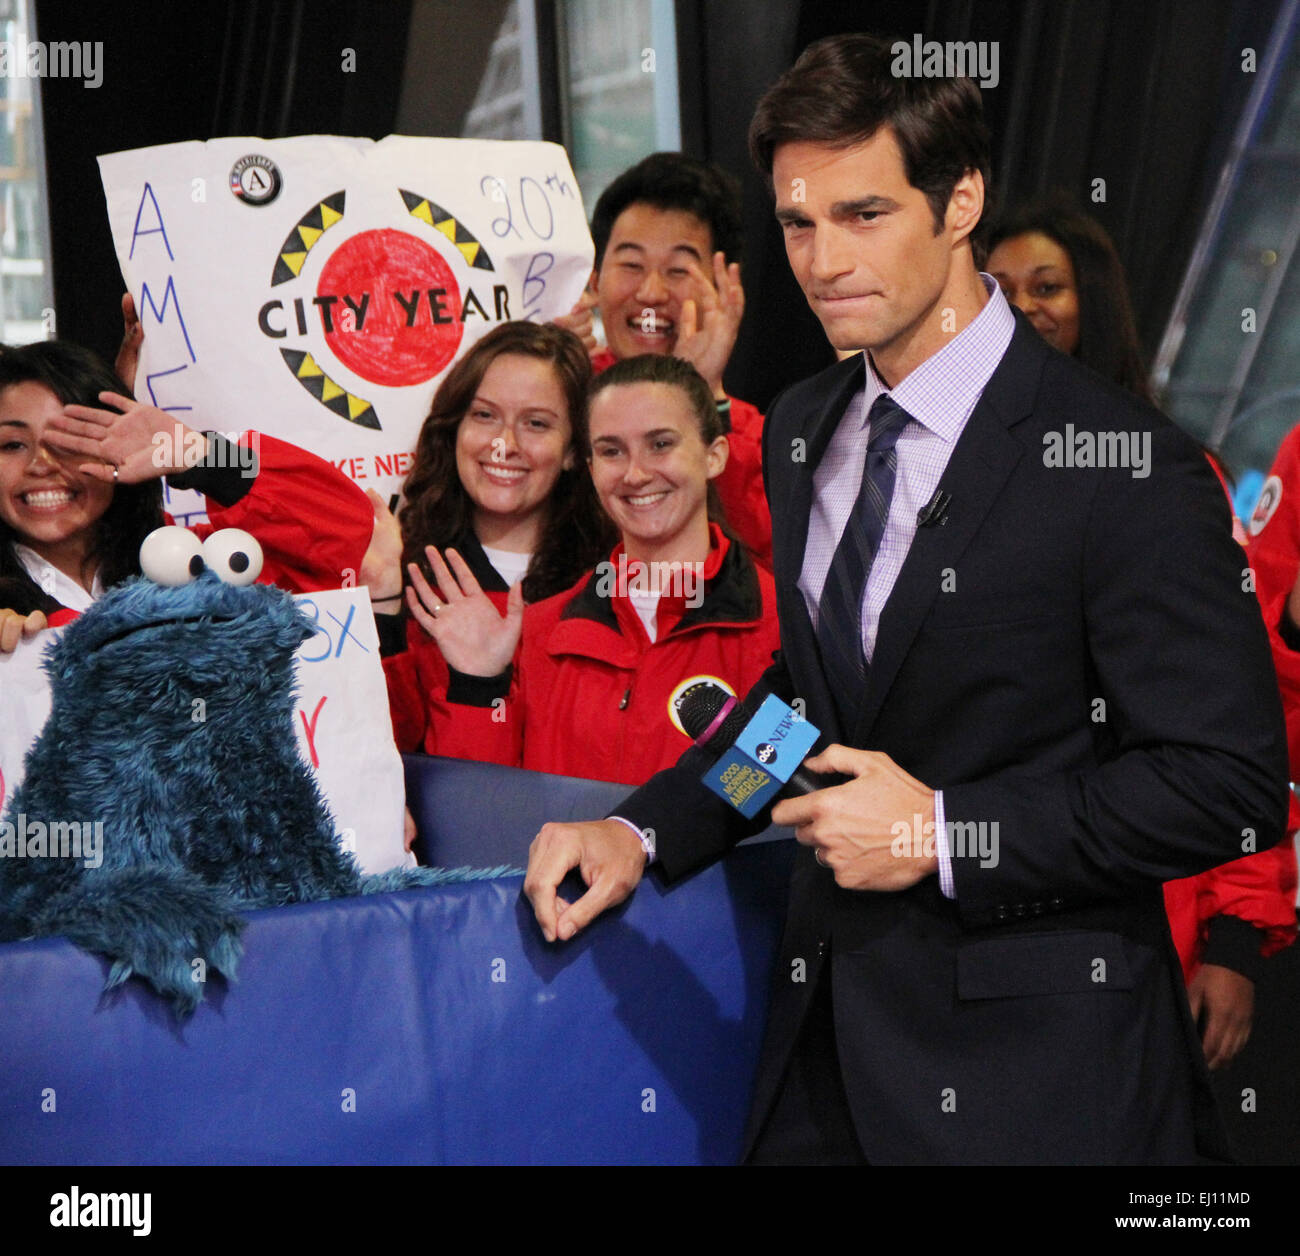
x,y
317,288
751,771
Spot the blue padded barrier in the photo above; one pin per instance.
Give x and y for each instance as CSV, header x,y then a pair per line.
x,y
440,1016
452,800
450,797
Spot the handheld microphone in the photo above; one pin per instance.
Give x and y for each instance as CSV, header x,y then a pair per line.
x,y
757,748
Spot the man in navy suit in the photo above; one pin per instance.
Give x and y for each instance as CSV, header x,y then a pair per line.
x,y
1009,596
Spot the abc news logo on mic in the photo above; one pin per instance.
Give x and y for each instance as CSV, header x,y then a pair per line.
x,y
753,769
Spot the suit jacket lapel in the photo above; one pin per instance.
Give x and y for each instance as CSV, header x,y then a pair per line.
x,y
790,540
982,460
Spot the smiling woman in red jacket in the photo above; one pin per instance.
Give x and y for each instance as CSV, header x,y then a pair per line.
x,y
595,679
498,476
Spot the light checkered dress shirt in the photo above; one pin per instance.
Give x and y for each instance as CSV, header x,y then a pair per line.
x,y
939,395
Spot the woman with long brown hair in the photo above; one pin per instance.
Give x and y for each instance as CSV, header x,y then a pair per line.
x,y
498,477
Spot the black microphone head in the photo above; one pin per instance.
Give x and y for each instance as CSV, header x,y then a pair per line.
x,y
698,707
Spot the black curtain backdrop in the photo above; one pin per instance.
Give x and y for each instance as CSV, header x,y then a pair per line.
x,y
178,71
1143,96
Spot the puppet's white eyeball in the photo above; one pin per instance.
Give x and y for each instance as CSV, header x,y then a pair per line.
x,y
234,555
171,556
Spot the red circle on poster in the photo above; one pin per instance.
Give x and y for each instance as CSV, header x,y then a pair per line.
x,y
375,341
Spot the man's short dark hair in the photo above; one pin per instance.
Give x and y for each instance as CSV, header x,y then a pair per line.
x,y
674,181
842,90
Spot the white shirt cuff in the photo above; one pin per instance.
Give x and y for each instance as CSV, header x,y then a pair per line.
x,y
646,838
941,850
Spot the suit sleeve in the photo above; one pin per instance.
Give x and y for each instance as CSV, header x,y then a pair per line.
x,y
1195,765
691,824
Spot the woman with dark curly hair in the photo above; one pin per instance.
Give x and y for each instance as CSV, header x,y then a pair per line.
x,y
498,478
81,465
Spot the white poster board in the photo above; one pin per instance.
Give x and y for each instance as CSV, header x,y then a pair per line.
x,y
317,288
341,719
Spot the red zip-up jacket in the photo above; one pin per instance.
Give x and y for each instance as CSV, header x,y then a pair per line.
x,y
1237,914
414,669
591,695
740,486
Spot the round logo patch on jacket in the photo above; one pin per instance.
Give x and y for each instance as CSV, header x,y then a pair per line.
x,y
1270,498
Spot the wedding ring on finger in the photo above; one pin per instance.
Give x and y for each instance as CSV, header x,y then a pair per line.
x,y
817,855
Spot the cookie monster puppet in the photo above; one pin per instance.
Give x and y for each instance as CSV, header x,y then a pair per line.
x,y
172,724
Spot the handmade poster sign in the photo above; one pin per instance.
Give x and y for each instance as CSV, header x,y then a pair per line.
x,y
342,723
317,288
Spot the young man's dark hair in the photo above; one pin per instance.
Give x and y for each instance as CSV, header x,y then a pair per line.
x,y
842,90
674,181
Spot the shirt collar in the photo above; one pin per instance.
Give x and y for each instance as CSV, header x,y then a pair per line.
x,y
63,589
941,393
718,547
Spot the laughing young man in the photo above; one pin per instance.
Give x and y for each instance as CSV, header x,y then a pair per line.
x,y
667,280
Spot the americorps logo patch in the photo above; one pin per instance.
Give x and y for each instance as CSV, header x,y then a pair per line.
x,y
255,179
1270,498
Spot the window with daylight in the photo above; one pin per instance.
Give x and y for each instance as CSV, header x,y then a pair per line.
x,y
507,104
619,89
599,76
26,293
1228,367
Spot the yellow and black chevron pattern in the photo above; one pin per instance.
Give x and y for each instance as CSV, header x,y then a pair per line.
x,y
343,403
440,220
298,243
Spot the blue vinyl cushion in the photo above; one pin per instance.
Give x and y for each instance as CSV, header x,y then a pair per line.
x,y
429,1027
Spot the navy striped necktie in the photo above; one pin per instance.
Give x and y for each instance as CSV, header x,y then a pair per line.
x,y
839,612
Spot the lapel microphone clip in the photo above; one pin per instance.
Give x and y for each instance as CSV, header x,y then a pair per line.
x,y
934,514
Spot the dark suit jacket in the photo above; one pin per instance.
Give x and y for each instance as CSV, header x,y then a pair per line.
x,y
1076,658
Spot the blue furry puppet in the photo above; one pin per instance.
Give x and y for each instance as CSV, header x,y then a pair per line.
x,y
172,725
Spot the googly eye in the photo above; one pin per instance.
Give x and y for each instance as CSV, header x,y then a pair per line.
x,y
171,556
234,555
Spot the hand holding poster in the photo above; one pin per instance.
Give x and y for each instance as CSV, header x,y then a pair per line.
x,y
317,288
